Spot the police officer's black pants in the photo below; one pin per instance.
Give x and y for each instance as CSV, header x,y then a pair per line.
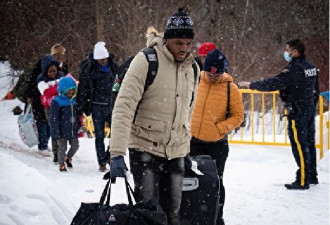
x,y
219,152
301,130
158,177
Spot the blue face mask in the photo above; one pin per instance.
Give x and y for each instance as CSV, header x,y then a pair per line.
x,y
287,56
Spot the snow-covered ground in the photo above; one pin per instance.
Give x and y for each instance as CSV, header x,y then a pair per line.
x,y
34,192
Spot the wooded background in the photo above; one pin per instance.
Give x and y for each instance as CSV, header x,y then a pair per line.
x,y
252,33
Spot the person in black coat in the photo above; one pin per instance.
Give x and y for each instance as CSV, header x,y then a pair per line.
x,y
94,94
47,86
33,97
298,86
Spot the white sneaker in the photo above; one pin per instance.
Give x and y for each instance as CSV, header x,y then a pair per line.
x,y
44,153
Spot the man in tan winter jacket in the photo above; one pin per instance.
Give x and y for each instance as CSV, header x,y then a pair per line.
x,y
155,123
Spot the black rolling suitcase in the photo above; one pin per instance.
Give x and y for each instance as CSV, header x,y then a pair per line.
x,y
200,194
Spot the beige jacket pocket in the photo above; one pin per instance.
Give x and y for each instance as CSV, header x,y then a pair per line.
x,y
150,130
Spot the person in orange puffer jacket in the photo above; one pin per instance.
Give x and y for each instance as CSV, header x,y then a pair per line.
x,y
211,121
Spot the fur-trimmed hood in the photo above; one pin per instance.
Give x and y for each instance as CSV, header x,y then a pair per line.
x,y
154,38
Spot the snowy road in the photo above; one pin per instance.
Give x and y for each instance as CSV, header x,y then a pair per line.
x,y
34,192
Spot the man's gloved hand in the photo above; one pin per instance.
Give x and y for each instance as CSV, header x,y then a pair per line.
x,y
187,162
106,176
87,113
117,166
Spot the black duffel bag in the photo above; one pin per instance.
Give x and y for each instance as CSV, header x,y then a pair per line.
x,y
149,213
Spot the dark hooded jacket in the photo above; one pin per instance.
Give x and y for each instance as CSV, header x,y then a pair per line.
x,y
64,123
33,92
95,83
48,86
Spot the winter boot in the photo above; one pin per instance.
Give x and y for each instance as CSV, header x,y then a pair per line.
x,y
313,180
69,163
296,186
63,168
103,168
44,153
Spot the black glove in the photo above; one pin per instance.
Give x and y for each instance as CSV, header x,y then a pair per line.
x,y
107,155
187,162
107,176
117,166
87,113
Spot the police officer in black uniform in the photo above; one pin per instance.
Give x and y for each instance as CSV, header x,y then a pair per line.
x,y
298,86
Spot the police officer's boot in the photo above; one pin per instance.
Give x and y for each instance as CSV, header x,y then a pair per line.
x,y
297,186
313,180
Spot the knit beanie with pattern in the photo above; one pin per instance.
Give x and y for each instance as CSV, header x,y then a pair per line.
x,y
179,25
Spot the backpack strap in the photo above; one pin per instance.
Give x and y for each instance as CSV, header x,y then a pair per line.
x,y
151,56
228,100
194,66
113,65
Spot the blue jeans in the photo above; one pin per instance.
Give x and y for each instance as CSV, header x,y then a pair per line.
x,y
43,135
100,115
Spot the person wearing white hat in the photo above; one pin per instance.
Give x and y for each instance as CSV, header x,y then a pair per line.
x,y
100,52
96,79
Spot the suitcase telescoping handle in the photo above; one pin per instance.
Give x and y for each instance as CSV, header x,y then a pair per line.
x,y
190,183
